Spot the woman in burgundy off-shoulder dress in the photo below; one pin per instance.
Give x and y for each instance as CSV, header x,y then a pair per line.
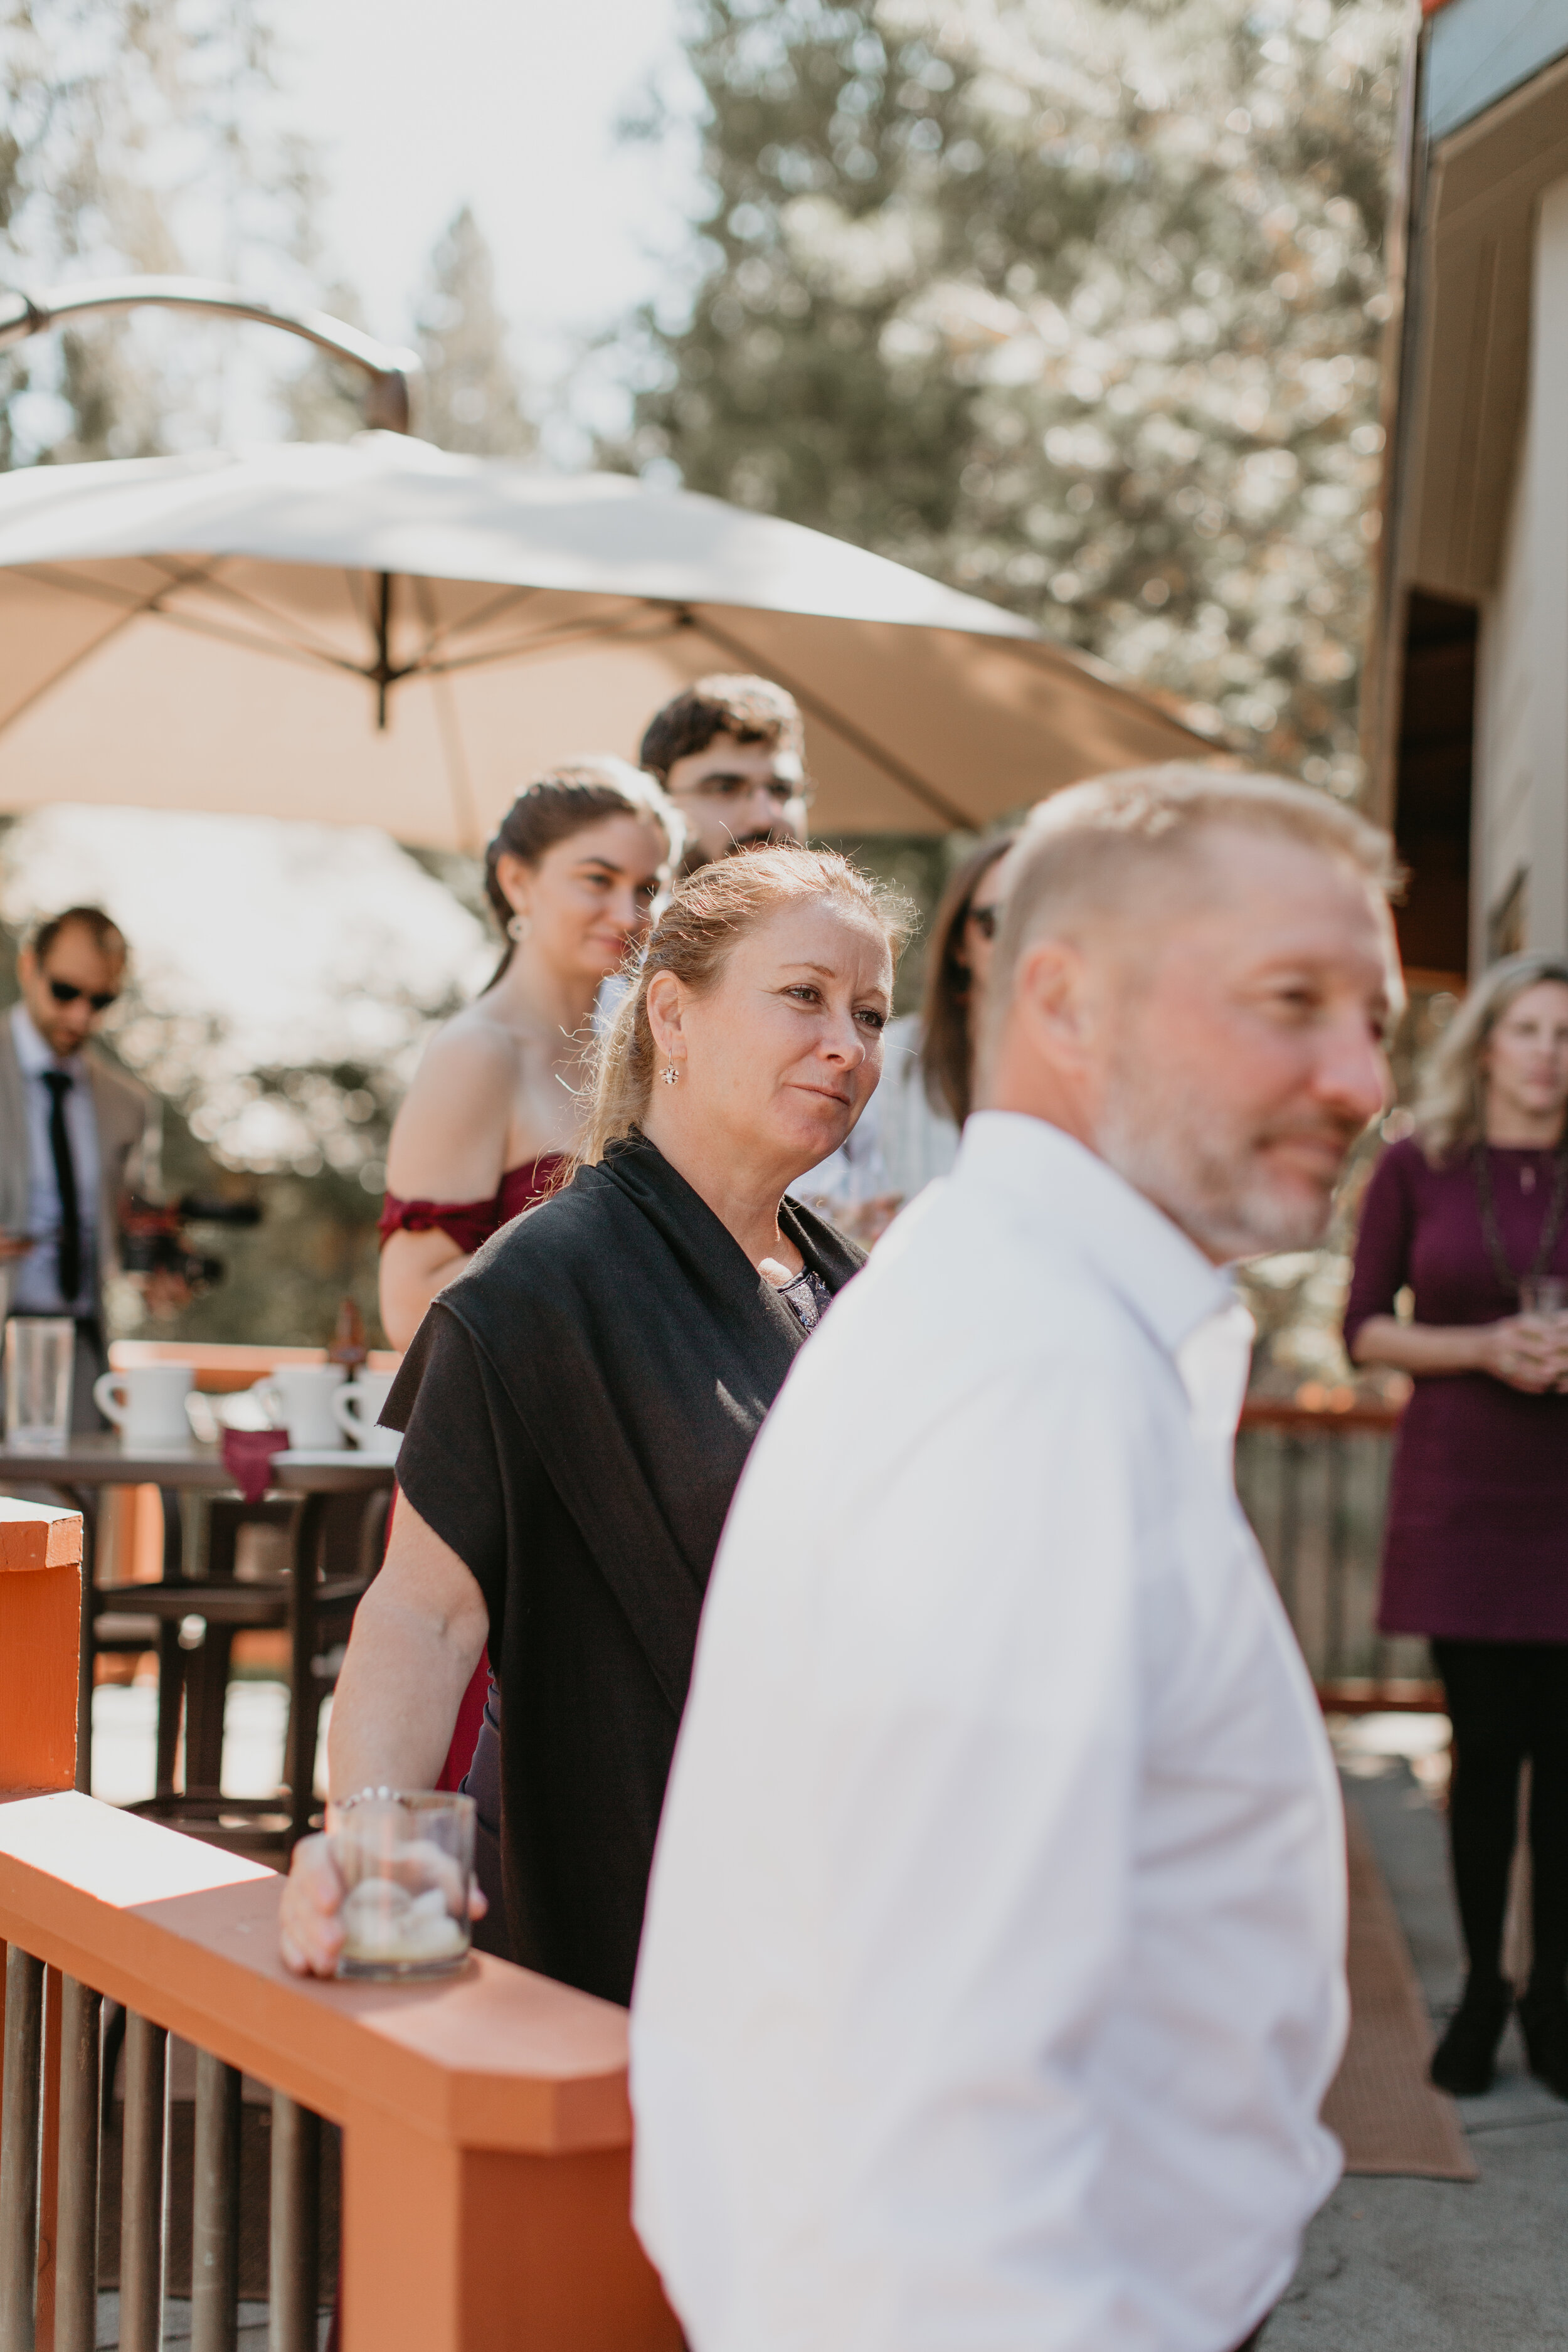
x,y
489,1125
1470,1216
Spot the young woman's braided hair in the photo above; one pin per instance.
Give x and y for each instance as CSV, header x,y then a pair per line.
x,y
567,799
704,921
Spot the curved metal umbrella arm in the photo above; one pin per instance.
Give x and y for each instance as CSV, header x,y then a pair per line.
x,y
388,368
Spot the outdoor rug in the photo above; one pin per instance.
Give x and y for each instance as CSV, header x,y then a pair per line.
x,y
1381,2106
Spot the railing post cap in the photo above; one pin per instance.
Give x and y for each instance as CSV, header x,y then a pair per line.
x,y
35,1535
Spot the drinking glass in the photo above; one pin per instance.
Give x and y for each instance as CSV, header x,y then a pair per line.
x,y
1546,1296
40,1358
407,1862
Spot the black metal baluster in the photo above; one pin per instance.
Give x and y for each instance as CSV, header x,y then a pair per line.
x,y
1291,1462
1339,1548
19,2116
75,2232
293,2250
141,2200
215,2232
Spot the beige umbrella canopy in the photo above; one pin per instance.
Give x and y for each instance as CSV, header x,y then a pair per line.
x,y
381,633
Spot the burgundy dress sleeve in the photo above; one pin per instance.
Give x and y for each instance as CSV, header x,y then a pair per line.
x,y
467,1223
470,1224
1381,1265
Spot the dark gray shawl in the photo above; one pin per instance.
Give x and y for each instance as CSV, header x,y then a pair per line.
x,y
578,1409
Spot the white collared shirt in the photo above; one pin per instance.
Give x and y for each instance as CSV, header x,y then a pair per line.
x,y
35,1283
993,1967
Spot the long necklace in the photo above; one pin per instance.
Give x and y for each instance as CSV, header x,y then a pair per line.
x,y
1549,1230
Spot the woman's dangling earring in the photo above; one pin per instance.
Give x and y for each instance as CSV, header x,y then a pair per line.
x,y
671,1075
518,930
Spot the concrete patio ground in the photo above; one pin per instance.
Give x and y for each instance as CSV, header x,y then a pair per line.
x,y
1437,2266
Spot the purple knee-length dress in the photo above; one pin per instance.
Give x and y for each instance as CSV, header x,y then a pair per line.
x,y
1476,1541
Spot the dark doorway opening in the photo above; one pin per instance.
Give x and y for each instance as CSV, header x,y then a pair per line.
x,y
1432,788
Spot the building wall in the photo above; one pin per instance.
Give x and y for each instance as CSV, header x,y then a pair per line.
x,y
1521,806
1505,766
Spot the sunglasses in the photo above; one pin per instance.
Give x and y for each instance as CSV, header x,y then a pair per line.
x,y
986,919
66,991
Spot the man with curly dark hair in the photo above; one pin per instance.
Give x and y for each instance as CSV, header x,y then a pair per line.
x,y
729,751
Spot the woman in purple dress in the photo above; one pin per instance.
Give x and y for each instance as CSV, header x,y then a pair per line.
x,y
1470,1216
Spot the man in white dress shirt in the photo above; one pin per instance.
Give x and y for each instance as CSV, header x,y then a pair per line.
x,y
992,1972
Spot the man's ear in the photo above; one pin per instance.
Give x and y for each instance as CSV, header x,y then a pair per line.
x,y
27,966
1053,999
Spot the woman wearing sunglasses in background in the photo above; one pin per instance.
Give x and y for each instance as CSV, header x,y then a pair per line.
x,y
73,1137
909,1133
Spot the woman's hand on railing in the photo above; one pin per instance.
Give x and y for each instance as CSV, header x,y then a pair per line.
x,y
311,1932
310,1923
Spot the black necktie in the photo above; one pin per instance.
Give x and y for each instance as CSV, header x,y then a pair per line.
x,y
68,1247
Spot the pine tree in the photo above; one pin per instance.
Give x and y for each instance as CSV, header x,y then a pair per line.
x,y
1072,303
470,398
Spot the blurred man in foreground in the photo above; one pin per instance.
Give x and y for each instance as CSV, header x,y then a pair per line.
x,y
730,754
73,1135
992,1972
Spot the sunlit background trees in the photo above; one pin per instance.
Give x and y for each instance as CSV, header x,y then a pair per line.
x,y
1076,305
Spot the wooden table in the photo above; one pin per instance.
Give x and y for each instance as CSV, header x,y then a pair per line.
x,y
86,1465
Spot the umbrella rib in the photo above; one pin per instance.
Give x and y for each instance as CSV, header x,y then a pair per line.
x,y
438,631
464,807
548,641
304,638
135,606
104,591
816,707
82,653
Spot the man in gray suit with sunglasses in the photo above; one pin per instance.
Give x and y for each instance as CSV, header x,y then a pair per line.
x,y
74,1136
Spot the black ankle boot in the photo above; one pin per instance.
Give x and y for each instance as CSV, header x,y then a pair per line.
x,y
1543,2022
1462,2062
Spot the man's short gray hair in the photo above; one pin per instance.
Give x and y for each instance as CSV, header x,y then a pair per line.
x,y
1087,853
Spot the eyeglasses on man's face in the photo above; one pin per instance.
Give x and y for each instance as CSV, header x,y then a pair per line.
x,y
780,790
66,991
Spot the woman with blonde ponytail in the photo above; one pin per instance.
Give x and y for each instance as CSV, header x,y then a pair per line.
x,y
578,1405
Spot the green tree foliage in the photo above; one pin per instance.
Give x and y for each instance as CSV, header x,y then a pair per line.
x,y
1075,304
470,398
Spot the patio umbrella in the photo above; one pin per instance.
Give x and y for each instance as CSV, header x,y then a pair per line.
x,y
378,632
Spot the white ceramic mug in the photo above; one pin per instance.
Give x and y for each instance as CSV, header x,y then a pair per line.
x,y
300,1397
147,1404
357,1407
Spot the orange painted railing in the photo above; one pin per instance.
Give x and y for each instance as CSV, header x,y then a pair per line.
x,y
1312,1470
487,2132
223,1366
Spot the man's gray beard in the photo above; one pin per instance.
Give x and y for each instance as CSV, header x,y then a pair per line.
x,y
1218,1195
